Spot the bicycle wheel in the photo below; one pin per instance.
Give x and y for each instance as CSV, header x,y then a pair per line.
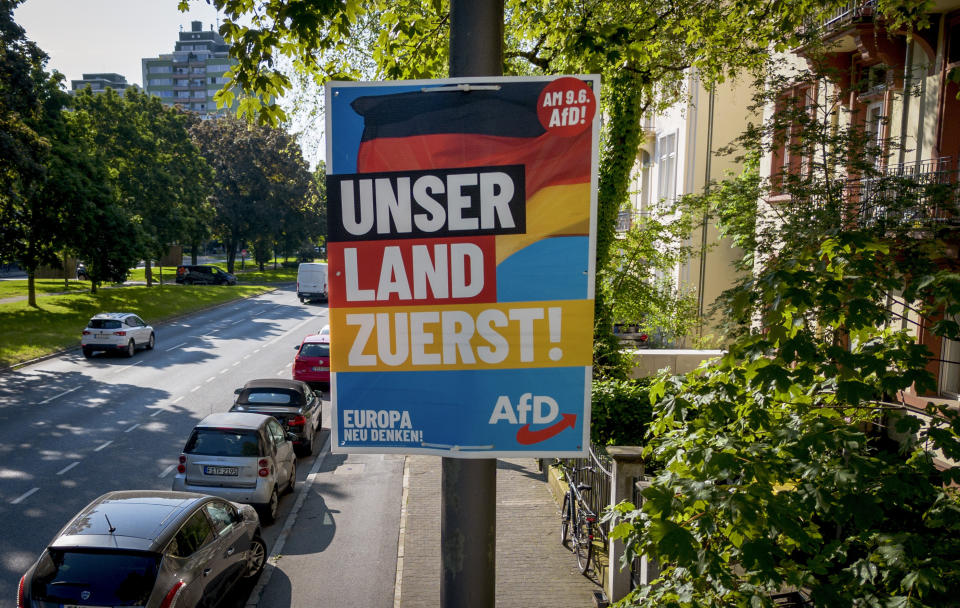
x,y
565,519
583,543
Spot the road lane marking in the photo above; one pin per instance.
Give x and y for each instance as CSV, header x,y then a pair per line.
x,y
194,389
67,468
236,364
131,428
224,370
160,411
210,379
240,321
176,347
60,395
247,356
23,496
103,446
177,400
281,372
167,470
289,523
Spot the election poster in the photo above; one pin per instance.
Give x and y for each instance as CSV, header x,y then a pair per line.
x,y
461,240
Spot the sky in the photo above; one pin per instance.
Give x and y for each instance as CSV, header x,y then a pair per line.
x,y
86,36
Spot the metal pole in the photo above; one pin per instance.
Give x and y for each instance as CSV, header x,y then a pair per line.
x,y
468,502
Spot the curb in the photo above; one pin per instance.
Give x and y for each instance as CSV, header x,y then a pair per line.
x,y
398,584
16,366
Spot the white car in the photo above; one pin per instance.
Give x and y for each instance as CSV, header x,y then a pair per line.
x,y
120,332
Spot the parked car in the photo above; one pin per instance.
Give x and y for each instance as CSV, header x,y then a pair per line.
x,y
312,361
295,406
118,332
204,274
147,548
239,456
312,282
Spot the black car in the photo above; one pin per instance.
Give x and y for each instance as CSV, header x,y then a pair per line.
x,y
204,274
147,548
292,402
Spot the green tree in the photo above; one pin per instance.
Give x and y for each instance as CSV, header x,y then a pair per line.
x,y
789,462
161,177
263,188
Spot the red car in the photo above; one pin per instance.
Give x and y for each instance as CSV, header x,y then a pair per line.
x,y
312,364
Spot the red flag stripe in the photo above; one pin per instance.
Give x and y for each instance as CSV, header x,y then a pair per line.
x,y
549,160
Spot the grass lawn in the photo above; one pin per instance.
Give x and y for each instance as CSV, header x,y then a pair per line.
x,y
18,287
27,333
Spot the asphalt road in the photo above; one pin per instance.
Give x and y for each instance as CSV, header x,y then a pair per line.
x,y
72,429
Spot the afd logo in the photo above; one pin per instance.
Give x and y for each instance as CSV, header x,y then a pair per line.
x,y
540,409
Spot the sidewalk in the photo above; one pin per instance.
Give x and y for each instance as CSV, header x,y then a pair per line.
x,y
533,568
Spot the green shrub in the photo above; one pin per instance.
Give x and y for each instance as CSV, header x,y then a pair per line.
x,y
621,411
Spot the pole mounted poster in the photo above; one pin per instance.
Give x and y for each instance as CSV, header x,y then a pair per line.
x,y
462,232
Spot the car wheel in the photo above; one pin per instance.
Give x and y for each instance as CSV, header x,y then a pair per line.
x,y
151,342
87,353
292,482
257,559
268,511
131,348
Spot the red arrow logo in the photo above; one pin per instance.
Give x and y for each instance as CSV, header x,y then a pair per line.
x,y
526,437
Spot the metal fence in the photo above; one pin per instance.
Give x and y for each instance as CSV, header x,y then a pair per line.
x,y
596,471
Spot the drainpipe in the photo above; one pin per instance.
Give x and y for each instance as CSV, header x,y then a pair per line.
x,y
703,229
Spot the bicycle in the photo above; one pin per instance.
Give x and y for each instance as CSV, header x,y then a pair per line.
x,y
577,520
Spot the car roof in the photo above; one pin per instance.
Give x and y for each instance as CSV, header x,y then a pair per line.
x,y
317,339
233,420
291,385
142,520
112,315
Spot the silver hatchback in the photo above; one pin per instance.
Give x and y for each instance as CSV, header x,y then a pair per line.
x,y
242,457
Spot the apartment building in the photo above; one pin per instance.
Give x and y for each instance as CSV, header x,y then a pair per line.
x,y
678,156
99,83
190,76
899,90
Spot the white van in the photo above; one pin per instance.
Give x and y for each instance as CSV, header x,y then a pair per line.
x,y
312,281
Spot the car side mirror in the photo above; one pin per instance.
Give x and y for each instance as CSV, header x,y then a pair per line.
x,y
297,347
291,437
237,391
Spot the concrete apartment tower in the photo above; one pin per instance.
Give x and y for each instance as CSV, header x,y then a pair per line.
x,y
99,83
190,76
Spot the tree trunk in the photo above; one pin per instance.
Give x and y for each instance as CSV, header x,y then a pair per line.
x,y
148,272
31,288
617,157
66,274
93,286
193,253
231,255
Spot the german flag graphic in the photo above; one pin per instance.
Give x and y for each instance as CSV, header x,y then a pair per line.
x,y
444,128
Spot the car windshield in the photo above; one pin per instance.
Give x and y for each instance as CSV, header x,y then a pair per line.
x,y
101,578
315,350
223,442
104,324
267,396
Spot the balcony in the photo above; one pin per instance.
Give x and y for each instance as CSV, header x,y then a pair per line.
x,y
921,195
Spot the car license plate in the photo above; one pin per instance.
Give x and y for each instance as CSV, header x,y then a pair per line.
x,y
101,336
321,368
234,471
83,606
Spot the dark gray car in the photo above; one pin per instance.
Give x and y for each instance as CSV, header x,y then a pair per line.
x,y
292,402
147,548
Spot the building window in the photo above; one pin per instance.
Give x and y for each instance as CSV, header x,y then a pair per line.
x,y
161,81
667,167
873,130
159,69
795,107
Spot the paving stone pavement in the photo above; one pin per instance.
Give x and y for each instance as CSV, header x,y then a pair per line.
x,y
533,569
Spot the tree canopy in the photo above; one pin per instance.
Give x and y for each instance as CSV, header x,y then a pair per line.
x,y
263,191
